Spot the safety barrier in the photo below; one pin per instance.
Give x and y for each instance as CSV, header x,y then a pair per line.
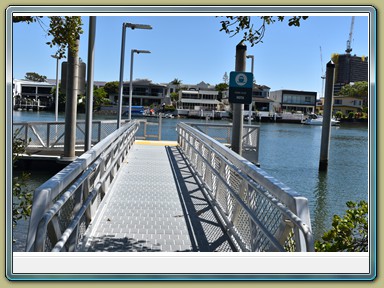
x,y
48,137
259,212
64,206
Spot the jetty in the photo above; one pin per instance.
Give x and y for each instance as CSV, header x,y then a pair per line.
x,y
131,194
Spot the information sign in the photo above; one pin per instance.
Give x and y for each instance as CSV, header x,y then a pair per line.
x,y
240,87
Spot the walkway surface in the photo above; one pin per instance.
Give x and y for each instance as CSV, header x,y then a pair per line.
x,y
155,204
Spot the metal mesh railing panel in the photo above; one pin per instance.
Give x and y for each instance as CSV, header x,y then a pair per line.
x,y
68,208
255,218
56,135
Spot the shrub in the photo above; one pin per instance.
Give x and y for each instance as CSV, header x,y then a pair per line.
x,y
348,234
339,114
22,197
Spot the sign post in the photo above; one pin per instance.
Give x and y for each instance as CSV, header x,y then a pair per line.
x,y
240,92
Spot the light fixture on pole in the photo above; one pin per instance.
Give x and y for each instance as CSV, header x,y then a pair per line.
x,y
133,51
120,95
250,105
57,87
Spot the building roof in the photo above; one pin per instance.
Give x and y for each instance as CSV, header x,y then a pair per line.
x,y
262,100
200,101
190,92
301,92
261,87
34,83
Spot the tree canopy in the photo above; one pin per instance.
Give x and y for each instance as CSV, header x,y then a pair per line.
x,y
112,88
63,30
233,25
357,89
32,76
221,87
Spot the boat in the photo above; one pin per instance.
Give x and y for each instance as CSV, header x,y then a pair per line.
x,y
135,111
314,119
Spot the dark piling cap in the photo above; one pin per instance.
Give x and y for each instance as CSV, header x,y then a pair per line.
x,y
241,46
330,64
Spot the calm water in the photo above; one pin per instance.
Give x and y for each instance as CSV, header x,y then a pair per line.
x,y
290,153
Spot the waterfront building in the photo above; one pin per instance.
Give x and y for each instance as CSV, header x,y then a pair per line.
x,y
32,94
293,101
144,93
261,103
198,103
348,69
344,104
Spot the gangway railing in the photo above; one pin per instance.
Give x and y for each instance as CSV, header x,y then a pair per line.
x,y
223,134
64,206
49,136
150,130
259,212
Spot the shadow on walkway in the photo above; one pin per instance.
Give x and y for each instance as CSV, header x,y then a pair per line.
x,y
205,230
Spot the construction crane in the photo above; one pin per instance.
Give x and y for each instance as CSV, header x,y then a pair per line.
x,y
322,73
349,41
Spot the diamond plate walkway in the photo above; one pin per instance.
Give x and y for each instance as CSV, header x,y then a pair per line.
x,y
155,204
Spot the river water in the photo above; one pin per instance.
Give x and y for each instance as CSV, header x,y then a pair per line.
x,y
288,152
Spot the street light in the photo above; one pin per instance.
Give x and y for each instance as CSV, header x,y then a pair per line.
x,y
133,51
250,105
120,96
57,86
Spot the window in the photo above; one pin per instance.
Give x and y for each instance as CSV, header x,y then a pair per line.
x,y
288,99
44,90
28,89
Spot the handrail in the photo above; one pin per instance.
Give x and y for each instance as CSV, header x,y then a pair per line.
x,y
49,135
223,134
260,212
73,184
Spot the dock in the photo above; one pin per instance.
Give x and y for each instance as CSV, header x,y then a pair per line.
x,y
189,195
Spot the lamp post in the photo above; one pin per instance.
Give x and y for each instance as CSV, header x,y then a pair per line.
x,y
57,87
250,105
120,96
89,102
133,51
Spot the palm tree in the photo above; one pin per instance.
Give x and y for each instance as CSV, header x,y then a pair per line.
x,y
175,94
176,81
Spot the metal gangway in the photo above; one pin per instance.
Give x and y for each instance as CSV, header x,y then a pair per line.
x,y
200,182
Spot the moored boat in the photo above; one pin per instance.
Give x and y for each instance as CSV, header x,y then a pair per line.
x,y
314,119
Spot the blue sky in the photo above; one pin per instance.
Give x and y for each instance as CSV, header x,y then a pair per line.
x,y
192,49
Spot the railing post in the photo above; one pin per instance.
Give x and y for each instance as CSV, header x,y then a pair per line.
x,y
26,128
145,129
48,134
257,146
160,123
99,132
